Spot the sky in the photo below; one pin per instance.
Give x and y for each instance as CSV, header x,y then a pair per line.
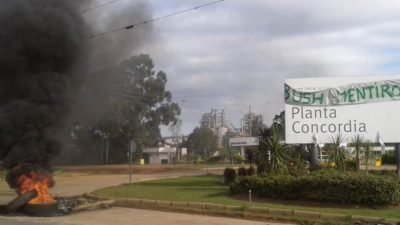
x,y
237,53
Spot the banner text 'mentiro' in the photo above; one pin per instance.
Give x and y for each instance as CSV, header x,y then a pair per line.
x,y
357,93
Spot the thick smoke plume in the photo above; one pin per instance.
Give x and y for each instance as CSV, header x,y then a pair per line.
x,y
107,51
45,59
40,45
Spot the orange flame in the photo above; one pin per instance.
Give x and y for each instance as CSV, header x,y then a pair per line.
x,y
38,182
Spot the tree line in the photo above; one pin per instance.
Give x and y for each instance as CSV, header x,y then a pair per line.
x,y
133,104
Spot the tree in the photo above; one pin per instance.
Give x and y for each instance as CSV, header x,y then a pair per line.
x,y
175,130
273,153
336,153
357,142
225,138
145,104
279,156
250,155
136,104
256,125
202,141
279,122
262,158
367,146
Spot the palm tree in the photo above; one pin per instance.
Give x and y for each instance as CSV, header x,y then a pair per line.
x,y
336,153
367,153
278,152
263,153
357,142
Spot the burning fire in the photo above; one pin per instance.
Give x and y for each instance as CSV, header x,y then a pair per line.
x,y
38,182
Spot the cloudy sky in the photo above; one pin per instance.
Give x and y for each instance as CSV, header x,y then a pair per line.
x,y
239,52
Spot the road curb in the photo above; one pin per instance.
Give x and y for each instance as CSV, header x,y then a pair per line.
x,y
258,213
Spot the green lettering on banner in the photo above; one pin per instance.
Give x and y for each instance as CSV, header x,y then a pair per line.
x,y
342,96
394,87
370,91
360,93
350,95
385,89
320,98
356,93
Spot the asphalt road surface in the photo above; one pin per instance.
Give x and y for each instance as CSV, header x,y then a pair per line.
x,y
126,216
76,184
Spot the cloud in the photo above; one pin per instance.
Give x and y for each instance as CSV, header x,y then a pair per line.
x,y
238,53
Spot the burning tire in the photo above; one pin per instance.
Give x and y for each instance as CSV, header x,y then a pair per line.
x,y
42,210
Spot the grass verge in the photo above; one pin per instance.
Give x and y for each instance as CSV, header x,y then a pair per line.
x,y
210,189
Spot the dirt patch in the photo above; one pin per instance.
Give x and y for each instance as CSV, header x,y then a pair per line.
x,y
119,169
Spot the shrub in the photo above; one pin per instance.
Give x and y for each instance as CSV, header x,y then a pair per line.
x,y
347,188
242,171
215,159
389,158
387,173
243,184
251,171
298,168
351,165
229,175
238,159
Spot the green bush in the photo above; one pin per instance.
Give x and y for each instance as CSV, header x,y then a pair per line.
x,y
298,168
350,165
251,171
387,173
389,158
346,188
229,175
215,159
242,171
238,159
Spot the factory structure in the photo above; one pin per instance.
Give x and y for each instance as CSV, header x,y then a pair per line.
x,y
216,121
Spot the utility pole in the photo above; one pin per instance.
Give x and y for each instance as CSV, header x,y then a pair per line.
x,y
131,150
250,121
107,150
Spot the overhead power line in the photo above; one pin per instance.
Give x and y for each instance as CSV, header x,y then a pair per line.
x,y
154,19
99,6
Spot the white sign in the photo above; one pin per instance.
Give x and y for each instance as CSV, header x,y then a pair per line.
x,y
184,151
326,107
243,141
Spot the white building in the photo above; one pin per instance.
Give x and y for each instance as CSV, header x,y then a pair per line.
x,y
159,155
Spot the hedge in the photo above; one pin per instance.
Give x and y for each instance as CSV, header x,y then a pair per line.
x,y
389,158
346,188
229,175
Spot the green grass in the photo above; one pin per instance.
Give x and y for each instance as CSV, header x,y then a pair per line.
x,y
210,189
183,189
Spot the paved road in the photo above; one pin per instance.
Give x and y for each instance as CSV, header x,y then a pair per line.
x,y
75,184
125,216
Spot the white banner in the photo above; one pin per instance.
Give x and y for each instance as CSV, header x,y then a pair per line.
x,y
325,121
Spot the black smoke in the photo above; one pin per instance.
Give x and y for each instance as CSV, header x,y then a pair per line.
x,y
41,44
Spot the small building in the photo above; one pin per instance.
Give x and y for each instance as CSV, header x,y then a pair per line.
x,y
159,155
